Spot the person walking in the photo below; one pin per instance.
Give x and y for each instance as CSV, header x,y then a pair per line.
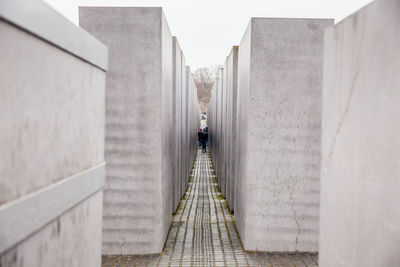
x,y
200,137
204,143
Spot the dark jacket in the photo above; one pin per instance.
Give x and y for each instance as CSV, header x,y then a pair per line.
x,y
200,136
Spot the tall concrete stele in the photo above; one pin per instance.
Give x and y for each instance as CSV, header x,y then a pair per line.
x,y
265,126
52,85
360,177
152,117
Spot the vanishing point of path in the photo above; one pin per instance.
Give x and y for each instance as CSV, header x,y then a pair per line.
x,y
203,232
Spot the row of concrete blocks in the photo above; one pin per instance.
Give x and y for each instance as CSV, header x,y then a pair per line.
x,y
150,134
76,116
304,132
264,120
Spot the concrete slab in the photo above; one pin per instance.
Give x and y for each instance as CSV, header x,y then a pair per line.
x,y
52,138
360,182
138,193
279,114
176,123
231,66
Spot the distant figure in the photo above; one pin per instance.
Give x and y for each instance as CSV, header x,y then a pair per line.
x,y
205,139
200,137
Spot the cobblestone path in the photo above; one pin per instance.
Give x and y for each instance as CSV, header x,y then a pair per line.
x,y
203,232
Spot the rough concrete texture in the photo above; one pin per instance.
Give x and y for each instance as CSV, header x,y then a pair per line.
x,y
241,132
214,121
219,159
231,97
193,123
138,102
147,125
64,126
278,113
360,183
194,113
221,169
74,239
282,117
281,163
176,122
185,123
52,127
167,131
184,126
223,150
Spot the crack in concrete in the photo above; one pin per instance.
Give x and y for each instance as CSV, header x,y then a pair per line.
x,y
344,115
347,107
295,213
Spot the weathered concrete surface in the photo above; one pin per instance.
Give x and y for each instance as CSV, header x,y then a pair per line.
x,y
166,131
218,140
279,114
184,126
360,183
74,239
195,113
192,124
138,192
214,125
52,127
39,128
176,122
221,170
241,132
222,120
231,66
150,126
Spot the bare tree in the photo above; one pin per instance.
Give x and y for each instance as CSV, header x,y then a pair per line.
x,y
204,79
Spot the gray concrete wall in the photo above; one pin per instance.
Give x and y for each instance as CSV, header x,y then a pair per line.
x,y
283,113
241,201
221,115
219,105
233,62
225,154
149,126
231,97
138,193
265,127
280,81
360,216
167,102
51,138
183,157
176,123
192,122
186,125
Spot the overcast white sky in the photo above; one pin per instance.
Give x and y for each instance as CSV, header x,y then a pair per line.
x,y
207,29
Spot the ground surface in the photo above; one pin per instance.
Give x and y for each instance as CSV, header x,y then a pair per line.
x,y
203,232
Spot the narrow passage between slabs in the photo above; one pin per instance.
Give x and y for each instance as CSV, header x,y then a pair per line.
x,y
203,232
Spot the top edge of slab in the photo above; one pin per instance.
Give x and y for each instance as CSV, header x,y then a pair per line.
x,y
44,22
122,7
280,18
